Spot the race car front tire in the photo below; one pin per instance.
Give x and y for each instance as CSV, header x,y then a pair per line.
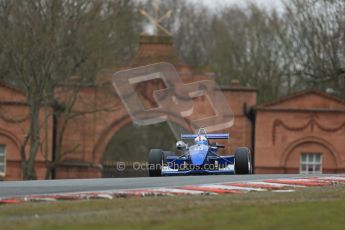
x,y
243,164
156,157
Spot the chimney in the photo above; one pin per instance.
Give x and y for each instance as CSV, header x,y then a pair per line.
x,y
235,83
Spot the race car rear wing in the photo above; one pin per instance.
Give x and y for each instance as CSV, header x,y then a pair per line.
x,y
208,136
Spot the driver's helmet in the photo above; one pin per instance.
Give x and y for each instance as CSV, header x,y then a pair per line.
x,y
201,140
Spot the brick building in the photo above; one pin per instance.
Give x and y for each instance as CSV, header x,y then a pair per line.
x,y
14,120
304,131
95,131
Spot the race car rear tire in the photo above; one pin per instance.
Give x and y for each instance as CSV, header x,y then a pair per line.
x,y
243,164
156,157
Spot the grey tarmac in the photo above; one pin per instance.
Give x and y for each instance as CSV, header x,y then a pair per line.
x,y
23,188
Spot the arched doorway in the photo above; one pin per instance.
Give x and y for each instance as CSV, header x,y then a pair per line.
x,y
310,155
130,146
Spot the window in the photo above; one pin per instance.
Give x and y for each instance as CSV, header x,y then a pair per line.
x,y
2,160
311,163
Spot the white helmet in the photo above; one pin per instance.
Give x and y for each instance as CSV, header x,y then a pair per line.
x,y
180,145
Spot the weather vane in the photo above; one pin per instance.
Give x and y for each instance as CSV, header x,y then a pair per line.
x,y
156,19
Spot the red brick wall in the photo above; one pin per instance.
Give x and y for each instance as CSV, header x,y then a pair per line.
x,y
93,131
285,130
241,131
14,121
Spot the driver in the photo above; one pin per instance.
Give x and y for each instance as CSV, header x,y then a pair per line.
x,y
200,140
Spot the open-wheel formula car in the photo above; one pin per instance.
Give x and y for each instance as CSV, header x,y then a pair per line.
x,y
200,158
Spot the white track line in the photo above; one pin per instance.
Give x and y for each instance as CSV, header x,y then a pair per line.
x,y
229,187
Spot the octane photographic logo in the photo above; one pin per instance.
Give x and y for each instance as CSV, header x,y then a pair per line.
x,y
121,166
175,102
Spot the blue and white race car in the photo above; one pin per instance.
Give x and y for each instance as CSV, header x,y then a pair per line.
x,y
200,158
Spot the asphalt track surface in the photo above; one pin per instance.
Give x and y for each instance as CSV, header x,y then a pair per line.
x,y
23,188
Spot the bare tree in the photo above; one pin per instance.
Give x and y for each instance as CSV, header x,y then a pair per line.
x,y
191,30
244,45
316,40
47,41
278,53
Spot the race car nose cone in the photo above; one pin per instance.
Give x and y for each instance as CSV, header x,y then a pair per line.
x,y
198,154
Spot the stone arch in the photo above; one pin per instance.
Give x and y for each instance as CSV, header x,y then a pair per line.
x,y
131,145
13,158
293,149
106,135
113,128
12,138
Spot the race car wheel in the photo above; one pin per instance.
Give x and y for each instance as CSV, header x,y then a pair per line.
x,y
156,157
243,164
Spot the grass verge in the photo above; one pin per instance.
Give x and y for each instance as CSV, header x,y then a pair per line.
x,y
316,208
